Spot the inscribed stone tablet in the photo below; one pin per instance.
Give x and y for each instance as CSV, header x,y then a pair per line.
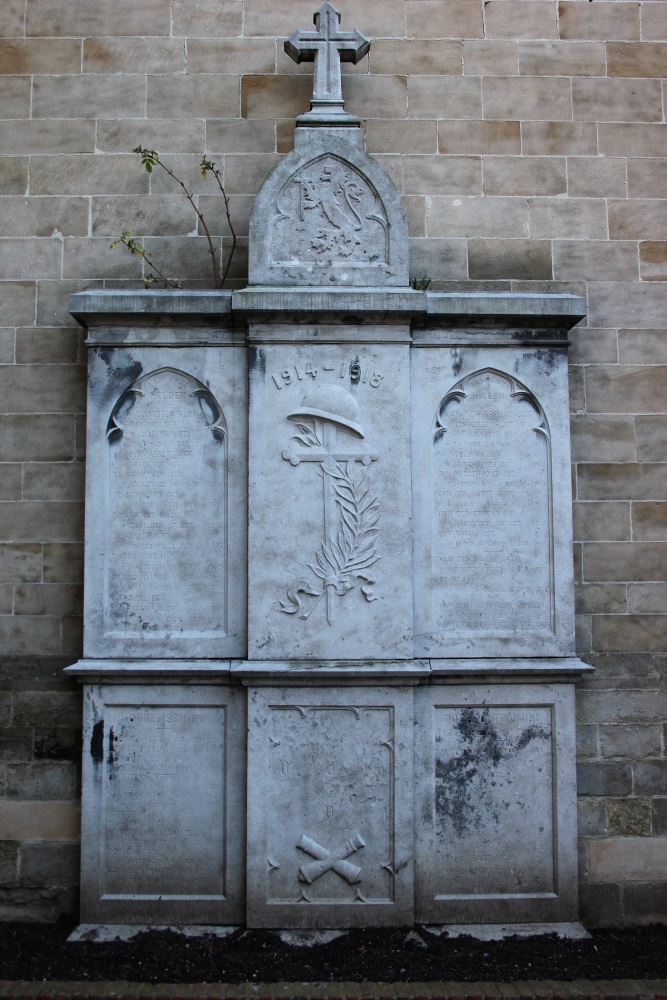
x,y
160,795
489,799
165,573
329,841
491,490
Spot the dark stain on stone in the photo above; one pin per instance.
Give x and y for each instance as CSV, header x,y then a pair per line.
x,y
483,751
257,361
97,742
457,362
546,360
121,371
112,749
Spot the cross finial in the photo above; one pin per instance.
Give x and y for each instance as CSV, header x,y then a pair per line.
x,y
328,47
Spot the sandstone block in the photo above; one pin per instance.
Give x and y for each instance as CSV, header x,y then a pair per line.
x,y
653,261
10,487
384,18
92,258
649,521
50,481
596,177
206,96
597,259
659,817
621,482
14,174
12,15
493,218
596,598
198,19
405,136
628,859
587,740
644,139
647,598
412,56
490,58
415,209
605,100
15,744
377,97
132,55
443,97
625,389
561,58
43,781
93,96
444,19
653,18
231,55
630,633
595,521
88,175
600,905
245,172
629,817
526,175
644,903
630,741
274,96
651,779
239,136
44,136
30,258
575,219
25,217
606,19
15,97
619,706
608,778
531,19
51,522
8,863
167,135
53,300
36,438
58,743
40,55
32,708
624,561
536,99
445,258
651,437
530,259
63,562
435,175
479,137
630,305
166,215
48,599
49,864
558,138
605,438
79,18
20,562
637,59
38,346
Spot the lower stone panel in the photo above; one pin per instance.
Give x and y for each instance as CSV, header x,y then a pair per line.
x,y
163,833
330,837
496,799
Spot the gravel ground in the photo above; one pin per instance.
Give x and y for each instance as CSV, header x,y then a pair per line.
x,y
41,952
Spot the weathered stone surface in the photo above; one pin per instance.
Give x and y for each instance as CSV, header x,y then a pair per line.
x,y
490,440
330,807
496,805
328,214
165,573
162,823
329,501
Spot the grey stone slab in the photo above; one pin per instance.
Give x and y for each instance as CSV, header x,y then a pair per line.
x,y
163,804
492,503
551,668
165,503
560,307
330,826
95,307
328,214
151,671
496,796
329,546
335,672
383,305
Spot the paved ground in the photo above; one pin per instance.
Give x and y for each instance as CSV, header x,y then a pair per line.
x,y
639,989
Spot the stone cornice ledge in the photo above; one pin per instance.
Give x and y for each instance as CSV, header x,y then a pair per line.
x,y
150,671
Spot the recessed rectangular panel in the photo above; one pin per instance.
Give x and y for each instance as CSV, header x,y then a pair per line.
x,y
162,808
492,502
494,782
330,560
329,818
166,500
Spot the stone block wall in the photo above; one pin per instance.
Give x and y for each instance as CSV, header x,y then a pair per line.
x,y
528,139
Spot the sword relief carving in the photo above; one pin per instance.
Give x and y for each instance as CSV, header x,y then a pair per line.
x,y
351,508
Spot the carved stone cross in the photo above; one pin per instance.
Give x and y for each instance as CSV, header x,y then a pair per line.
x,y
327,46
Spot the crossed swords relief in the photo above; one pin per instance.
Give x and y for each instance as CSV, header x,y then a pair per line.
x,y
330,860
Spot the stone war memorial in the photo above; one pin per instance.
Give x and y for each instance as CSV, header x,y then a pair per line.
x,y
329,661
